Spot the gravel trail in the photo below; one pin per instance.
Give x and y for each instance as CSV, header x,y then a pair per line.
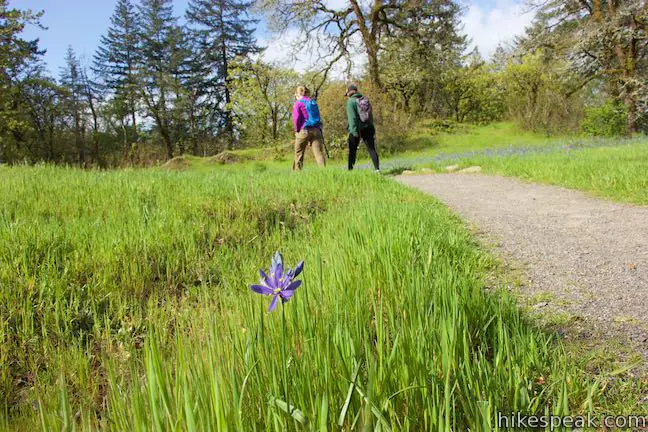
x,y
581,255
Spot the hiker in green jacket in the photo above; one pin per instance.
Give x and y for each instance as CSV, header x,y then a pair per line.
x,y
360,118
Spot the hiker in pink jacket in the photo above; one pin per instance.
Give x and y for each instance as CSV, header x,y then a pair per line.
x,y
308,128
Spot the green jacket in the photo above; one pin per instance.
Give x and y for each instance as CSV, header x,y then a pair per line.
x,y
355,124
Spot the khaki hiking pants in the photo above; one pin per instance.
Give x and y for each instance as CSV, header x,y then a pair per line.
x,y
303,138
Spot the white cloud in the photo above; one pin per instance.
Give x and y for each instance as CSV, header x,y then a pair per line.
x,y
281,50
337,4
486,24
489,26
284,50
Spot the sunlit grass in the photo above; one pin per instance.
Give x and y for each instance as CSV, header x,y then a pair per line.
x,y
617,173
429,140
125,304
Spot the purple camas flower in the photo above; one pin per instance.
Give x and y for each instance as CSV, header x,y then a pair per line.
x,y
277,283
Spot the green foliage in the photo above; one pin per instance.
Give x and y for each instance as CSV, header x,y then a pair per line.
x,y
160,46
222,31
262,97
474,93
606,40
536,98
393,123
609,119
117,59
424,81
15,52
331,102
331,29
16,55
72,102
125,306
413,69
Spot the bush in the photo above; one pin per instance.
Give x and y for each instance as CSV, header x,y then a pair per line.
x,y
607,120
536,98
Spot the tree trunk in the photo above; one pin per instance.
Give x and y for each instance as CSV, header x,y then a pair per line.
x,y
166,137
162,124
167,141
275,123
125,137
374,70
133,117
132,94
627,59
78,136
631,107
95,127
229,127
193,130
370,40
50,138
627,63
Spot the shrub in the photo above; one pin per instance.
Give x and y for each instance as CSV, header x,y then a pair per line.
x,y
608,120
536,98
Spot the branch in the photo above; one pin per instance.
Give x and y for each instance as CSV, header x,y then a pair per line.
x,y
326,71
580,86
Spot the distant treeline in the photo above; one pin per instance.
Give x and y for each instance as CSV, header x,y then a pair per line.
x,y
157,87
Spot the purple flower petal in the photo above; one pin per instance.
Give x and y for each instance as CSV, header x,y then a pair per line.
x,y
276,269
292,287
286,295
273,304
261,289
279,274
277,260
267,280
298,269
276,283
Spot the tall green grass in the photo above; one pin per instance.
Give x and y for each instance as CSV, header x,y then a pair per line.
x,y
617,173
124,305
426,139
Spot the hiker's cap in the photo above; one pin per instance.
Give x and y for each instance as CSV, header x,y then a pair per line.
x,y
351,87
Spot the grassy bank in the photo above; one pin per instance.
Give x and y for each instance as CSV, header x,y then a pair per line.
x,y
618,173
125,304
429,138
613,172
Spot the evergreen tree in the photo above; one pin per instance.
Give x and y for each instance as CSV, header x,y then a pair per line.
x,y
203,114
224,31
117,59
179,69
42,103
71,82
16,55
92,100
158,31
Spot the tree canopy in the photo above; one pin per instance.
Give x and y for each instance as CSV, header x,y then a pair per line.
x,y
166,82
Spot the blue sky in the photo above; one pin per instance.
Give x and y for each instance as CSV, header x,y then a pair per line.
x,y
81,23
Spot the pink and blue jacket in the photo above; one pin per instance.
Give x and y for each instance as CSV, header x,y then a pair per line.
x,y
300,115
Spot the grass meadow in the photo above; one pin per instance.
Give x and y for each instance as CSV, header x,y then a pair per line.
x,y
611,168
617,173
125,305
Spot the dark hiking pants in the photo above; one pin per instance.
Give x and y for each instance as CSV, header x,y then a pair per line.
x,y
369,137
